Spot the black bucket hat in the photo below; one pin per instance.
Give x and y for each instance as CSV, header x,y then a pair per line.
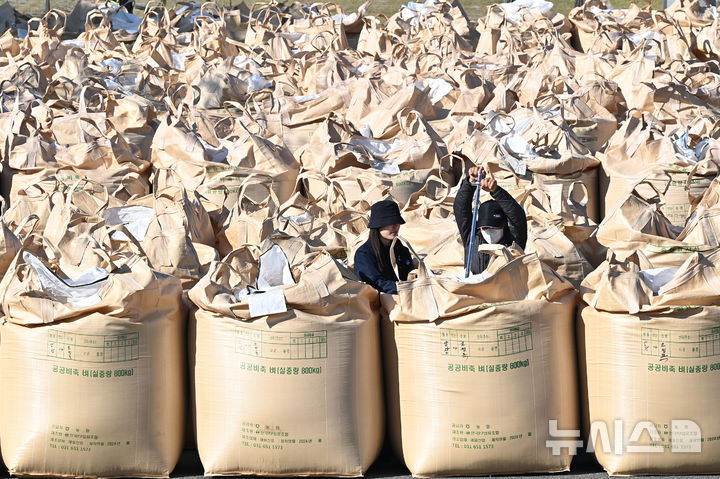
x,y
383,213
490,214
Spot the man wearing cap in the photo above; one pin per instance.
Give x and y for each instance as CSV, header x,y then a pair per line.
x,y
372,260
500,220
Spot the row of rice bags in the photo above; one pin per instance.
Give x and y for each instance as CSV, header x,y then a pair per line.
x,y
186,147
297,322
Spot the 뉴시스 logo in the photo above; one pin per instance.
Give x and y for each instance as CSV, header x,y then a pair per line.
x,y
685,436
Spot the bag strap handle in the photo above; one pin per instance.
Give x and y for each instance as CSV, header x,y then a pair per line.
x,y
496,250
422,269
55,253
242,195
344,218
108,230
55,21
693,172
280,217
96,14
20,226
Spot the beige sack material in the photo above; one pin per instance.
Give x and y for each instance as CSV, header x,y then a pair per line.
x,y
587,25
640,158
38,204
558,163
181,157
672,184
10,244
92,375
445,251
173,230
430,223
321,30
637,225
247,222
263,153
579,190
475,372
369,185
593,126
652,358
568,218
334,234
290,390
170,227
89,150
556,250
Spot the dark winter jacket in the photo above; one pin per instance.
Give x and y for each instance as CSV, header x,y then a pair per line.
x,y
367,269
515,228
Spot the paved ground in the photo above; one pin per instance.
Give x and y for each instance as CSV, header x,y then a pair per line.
x,y
387,467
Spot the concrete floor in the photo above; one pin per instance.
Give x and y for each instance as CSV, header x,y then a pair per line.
x,y
388,467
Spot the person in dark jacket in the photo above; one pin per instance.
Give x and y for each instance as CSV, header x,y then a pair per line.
x,y
372,259
500,220
128,4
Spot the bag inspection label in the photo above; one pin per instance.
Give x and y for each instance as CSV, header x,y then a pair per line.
x,y
486,343
93,348
281,345
665,344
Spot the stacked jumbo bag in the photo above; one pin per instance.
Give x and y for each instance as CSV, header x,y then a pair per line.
x,y
562,235
647,323
674,168
639,226
196,133
92,360
650,339
230,120
286,364
481,372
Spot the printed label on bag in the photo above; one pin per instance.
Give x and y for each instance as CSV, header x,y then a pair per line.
x,y
681,351
481,436
486,343
665,344
486,351
93,373
281,345
676,213
679,249
93,348
271,436
68,438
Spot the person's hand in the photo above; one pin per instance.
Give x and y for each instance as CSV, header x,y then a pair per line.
x,y
487,183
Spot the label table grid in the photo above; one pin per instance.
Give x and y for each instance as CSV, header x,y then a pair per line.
x,y
281,345
486,343
665,344
93,348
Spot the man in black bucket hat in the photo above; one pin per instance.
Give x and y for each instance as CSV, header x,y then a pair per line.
x,y
500,220
372,259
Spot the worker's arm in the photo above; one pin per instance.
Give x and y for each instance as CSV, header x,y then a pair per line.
x,y
463,209
516,218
